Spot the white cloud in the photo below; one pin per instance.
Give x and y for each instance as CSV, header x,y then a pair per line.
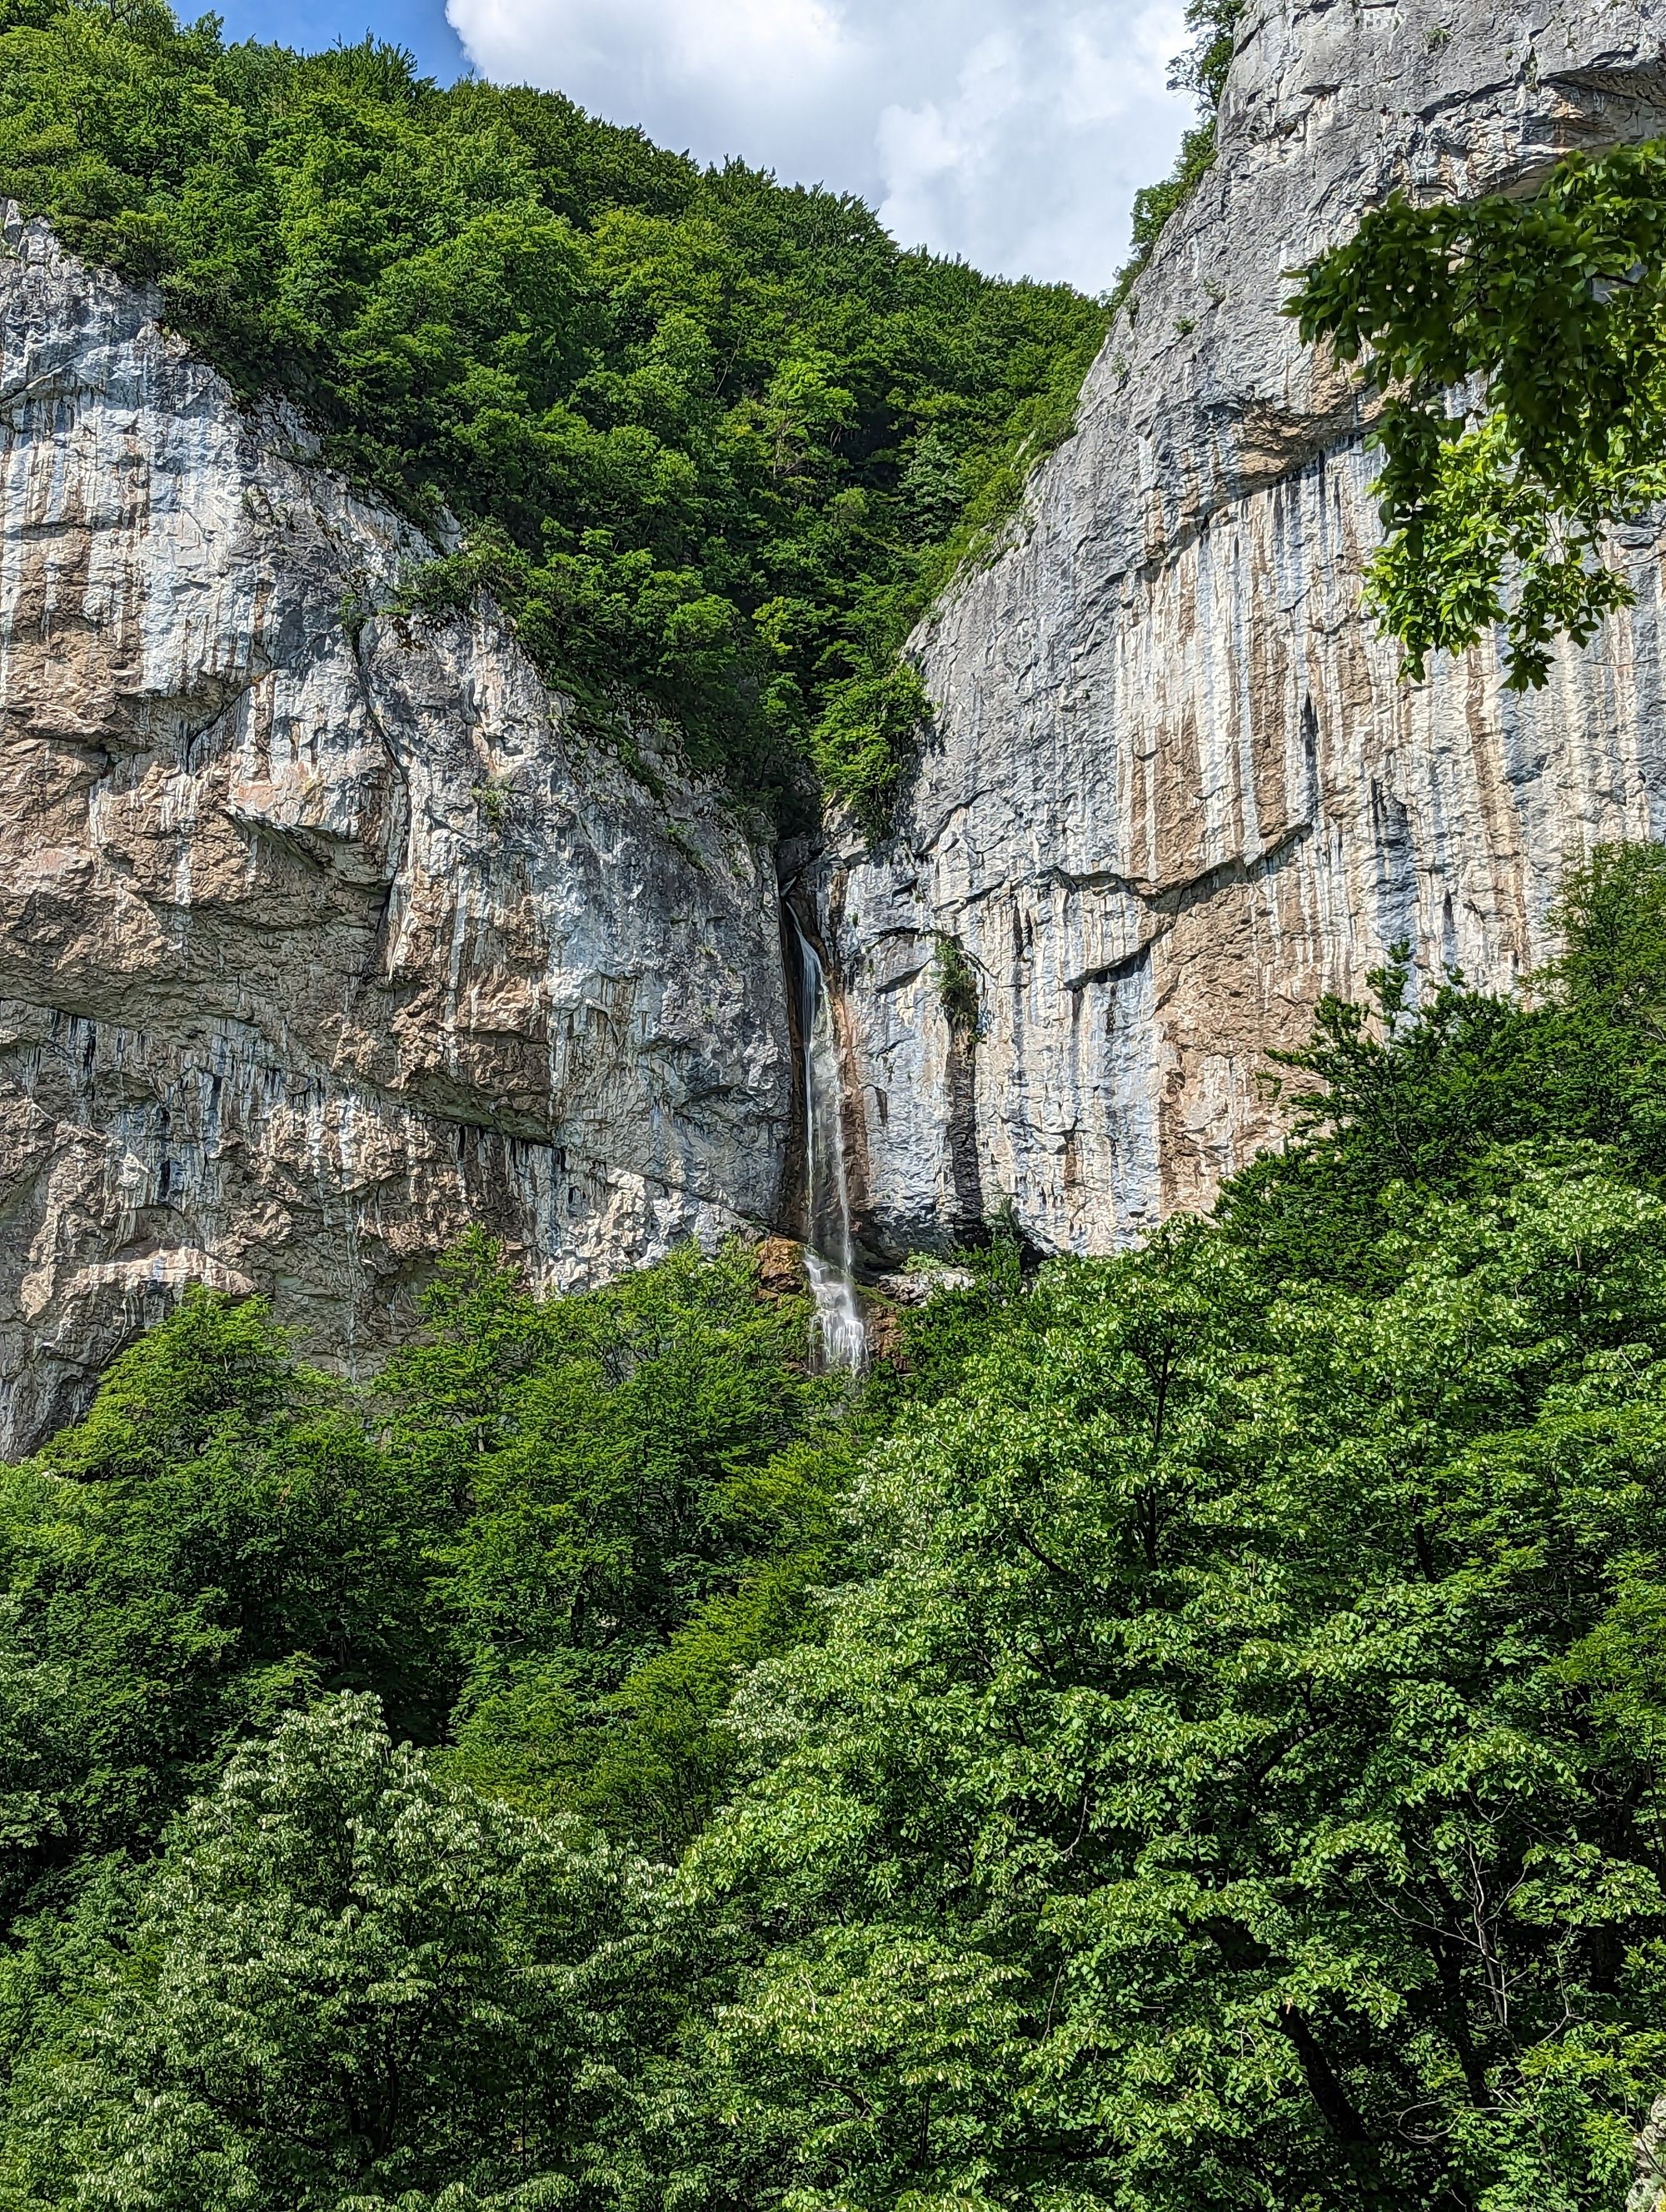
x,y
1013,132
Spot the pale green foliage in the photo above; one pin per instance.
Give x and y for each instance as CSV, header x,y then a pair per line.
x,y
343,1986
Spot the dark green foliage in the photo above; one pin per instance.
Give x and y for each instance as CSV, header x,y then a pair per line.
x,y
1612,973
219,1536
542,1498
1190,1737
1550,309
714,440
640,1472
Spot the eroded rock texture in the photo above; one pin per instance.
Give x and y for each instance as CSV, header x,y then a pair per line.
x,y
1176,789
321,937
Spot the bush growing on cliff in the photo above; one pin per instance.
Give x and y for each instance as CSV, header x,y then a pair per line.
x,y
710,435
1201,70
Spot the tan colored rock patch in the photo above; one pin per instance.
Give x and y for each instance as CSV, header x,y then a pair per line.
x,y
283,1003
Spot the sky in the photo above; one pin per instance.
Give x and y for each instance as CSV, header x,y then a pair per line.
x,y
1014,133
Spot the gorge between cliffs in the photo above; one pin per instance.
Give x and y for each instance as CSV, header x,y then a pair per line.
x,y
328,930
832,1147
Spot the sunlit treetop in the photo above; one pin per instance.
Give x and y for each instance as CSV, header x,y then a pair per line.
x,y
1520,350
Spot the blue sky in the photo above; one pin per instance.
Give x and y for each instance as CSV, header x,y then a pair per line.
x,y
1013,133
308,24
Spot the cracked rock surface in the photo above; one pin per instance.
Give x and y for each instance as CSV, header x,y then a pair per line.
x,y
322,935
1176,789
325,934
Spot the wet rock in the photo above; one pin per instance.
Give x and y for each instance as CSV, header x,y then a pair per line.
x,y
781,1270
884,1327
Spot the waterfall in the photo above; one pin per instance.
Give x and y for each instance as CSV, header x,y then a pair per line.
x,y
840,1334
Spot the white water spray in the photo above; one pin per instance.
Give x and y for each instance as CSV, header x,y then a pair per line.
x,y
840,1335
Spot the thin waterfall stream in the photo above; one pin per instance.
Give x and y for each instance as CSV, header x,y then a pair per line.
x,y
828,1253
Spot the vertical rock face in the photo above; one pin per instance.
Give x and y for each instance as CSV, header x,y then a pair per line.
x,y
1176,789
322,934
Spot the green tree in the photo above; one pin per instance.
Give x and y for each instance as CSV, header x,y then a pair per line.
x,y
1239,1786
219,1536
643,1474
342,1985
1418,1089
1544,317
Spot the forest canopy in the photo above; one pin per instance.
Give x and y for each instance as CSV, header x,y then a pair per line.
x,y
1188,1735
714,441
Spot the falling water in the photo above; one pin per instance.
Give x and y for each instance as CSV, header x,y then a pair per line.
x,y
827,1243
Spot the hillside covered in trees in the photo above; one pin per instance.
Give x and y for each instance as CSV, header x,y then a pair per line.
x,y
1186,1733
711,442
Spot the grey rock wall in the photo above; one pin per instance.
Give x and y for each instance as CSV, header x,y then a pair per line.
x,y
320,938
1176,789
323,934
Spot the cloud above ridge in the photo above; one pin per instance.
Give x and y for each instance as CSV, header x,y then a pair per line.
x,y
1012,132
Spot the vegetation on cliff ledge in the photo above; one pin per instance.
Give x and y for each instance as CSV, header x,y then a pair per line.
x,y
714,442
1192,1737
1201,69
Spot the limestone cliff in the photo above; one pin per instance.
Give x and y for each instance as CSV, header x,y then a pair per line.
x,y
1176,789
322,934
